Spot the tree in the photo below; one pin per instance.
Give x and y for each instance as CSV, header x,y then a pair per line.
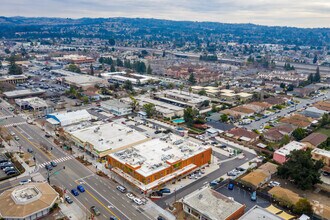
x,y
134,103
149,70
1,64
190,90
128,85
189,115
299,134
92,69
192,79
112,68
325,120
224,118
181,87
202,92
290,87
315,59
301,169
7,51
282,85
74,68
303,206
85,99
285,140
14,69
317,76
149,109
119,62
310,78
112,42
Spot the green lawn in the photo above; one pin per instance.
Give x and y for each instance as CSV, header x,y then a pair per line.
x,y
324,131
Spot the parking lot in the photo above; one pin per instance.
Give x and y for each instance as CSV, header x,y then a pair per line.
x,y
242,196
8,169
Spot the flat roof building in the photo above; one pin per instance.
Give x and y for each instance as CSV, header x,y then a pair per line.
x,y
280,155
83,81
209,204
31,201
24,93
102,139
324,155
151,164
181,98
35,104
135,79
13,79
69,118
117,107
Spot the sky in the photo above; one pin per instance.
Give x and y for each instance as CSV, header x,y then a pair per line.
x,y
298,13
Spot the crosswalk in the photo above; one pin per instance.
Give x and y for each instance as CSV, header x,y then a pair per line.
x,y
58,160
14,124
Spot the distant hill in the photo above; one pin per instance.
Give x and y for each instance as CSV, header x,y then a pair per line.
x,y
160,30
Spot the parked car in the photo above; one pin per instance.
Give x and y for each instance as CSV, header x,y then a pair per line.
x,y
3,160
113,218
81,188
121,189
47,135
165,190
254,196
138,201
29,150
10,169
23,182
12,172
161,218
273,183
231,186
7,169
68,199
213,183
75,192
16,138
53,164
95,210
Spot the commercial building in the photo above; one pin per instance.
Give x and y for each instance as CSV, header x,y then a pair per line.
x,y
181,98
117,107
135,79
258,213
163,109
24,93
83,81
13,79
208,204
281,155
68,118
102,139
74,58
27,202
152,164
35,104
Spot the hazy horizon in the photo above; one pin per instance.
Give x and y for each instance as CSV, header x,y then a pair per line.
x,y
296,13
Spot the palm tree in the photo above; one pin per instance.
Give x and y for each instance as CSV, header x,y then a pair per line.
x,y
134,103
190,90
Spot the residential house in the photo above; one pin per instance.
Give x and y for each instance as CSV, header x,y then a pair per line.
x,y
281,155
242,134
261,175
297,120
315,139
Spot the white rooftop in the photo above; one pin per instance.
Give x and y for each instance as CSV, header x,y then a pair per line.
x,y
322,152
68,118
26,195
211,203
182,95
34,102
154,155
83,79
109,136
259,213
293,145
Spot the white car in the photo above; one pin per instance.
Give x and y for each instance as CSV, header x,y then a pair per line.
x,y
23,182
274,183
138,201
130,196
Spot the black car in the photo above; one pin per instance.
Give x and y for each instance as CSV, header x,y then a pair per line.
x,y
157,132
53,164
9,170
12,172
113,218
49,167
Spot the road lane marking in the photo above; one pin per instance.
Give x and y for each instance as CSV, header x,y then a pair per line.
x,y
106,208
105,200
32,144
85,177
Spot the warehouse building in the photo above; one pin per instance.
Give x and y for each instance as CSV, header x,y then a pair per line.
x,y
68,118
